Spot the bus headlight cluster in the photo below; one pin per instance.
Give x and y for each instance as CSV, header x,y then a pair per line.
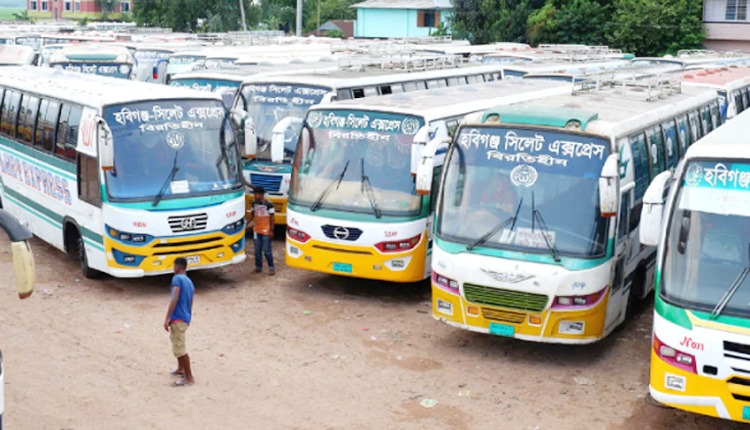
x,y
578,301
674,356
398,245
129,238
234,227
298,235
444,283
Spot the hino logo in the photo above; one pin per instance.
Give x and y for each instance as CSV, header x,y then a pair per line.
x,y
188,223
341,233
511,278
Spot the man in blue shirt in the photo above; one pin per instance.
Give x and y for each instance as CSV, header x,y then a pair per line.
x,y
178,318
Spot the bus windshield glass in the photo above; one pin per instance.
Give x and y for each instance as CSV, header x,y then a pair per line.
x,y
357,161
526,190
268,104
708,239
171,149
225,88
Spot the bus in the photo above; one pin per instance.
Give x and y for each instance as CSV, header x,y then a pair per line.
x,y
264,102
701,328
731,82
552,188
353,207
24,273
123,175
17,55
105,60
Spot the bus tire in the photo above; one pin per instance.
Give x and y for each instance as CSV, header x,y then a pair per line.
x,y
636,291
86,270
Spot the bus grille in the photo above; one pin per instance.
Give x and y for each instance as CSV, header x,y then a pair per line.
x,y
505,298
271,183
341,233
504,316
183,223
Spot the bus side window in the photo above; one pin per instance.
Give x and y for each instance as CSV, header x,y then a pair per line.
x,y
738,103
358,93
670,139
46,125
10,112
472,79
410,86
344,94
683,133
694,127
745,101
27,117
715,115
640,164
623,223
67,135
370,91
453,82
432,83
656,150
705,115
436,174
89,189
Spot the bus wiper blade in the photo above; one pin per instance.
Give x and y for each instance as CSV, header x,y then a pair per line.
x,y
510,220
537,216
367,189
319,201
170,178
732,289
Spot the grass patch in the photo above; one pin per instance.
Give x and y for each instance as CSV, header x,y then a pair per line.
x,y
6,13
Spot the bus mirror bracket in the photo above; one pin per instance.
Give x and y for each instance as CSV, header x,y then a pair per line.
x,y
251,139
426,167
279,136
106,148
609,182
653,209
417,147
23,258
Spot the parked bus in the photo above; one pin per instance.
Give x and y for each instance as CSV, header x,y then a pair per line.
x,y
16,55
124,175
701,336
731,82
284,100
552,190
353,207
23,273
105,60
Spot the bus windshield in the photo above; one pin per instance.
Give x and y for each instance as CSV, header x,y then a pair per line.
x,y
708,239
268,104
104,68
525,190
225,88
171,149
357,161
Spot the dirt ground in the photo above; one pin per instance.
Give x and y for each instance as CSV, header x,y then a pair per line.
x,y
299,351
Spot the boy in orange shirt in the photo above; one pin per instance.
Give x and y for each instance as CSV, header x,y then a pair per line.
x,y
262,217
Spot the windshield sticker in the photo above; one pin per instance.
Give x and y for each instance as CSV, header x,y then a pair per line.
x,y
112,70
173,117
179,187
367,122
175,140
285,94
527,237
718,175
208,85
524,176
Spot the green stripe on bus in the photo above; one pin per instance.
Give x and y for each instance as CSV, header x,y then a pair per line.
x,y
54,216
98,246
34,211
40,158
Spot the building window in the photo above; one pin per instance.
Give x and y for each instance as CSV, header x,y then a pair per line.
x,y
44,6
33,5
78,6
428,18
125,7
68,7
736,10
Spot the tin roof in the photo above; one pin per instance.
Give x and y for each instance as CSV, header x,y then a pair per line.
x,y
404,4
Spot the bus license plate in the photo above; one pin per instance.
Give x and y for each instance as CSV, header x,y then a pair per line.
x,y
502,329
342,267
746,413
193,259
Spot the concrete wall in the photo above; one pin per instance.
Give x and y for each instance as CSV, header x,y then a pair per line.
x,y
728,36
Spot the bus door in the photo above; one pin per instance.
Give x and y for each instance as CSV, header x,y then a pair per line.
x,y
623,254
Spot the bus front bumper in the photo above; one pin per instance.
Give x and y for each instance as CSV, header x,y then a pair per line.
x,y
579,326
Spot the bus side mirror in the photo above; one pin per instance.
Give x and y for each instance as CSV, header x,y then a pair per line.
x,y
652,212
106,149
278,138
417,146
609,182
23,258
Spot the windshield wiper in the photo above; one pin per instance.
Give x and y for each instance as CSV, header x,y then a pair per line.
x,y
170,178
510,220
367,189
537,216
319,201
732,289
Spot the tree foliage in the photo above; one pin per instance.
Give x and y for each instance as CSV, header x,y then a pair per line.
x,y
576,21
486,21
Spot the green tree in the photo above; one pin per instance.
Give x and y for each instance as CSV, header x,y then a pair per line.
x,y
654,27
486,21
576,21
150,13
106,6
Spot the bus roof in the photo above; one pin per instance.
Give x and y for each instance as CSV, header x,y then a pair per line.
x,y
341,78
90,52
732,76
241,73
91,90
452,101
728,141
607,112
14,55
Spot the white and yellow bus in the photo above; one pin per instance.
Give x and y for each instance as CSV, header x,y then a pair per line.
x,y
124,175
536,227
700,355
353,206
276,105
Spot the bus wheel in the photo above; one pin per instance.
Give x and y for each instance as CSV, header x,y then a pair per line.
x,y
87,271
636,292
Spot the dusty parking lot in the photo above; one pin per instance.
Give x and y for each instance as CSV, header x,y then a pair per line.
x,y
299,351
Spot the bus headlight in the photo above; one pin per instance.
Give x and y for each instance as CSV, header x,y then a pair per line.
x,y
398,245
234,227
128,238
562,302
444,283
297,235
674,356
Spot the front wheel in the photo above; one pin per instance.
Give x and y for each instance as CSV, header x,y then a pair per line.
x,y
86,270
